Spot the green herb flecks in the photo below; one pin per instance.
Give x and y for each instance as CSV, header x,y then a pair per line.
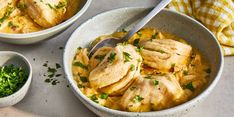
x,y
136,42
189,86
127,57
161,51
111,58
104,96
12,78
7,14
156,82
100,57
83,79
139,48
81,65
148,77
137,98
94,98
154,36
132,67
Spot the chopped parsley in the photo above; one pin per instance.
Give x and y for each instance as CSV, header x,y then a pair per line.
x,y
156,82
61,5
136,42
208,70
104,96
100,57
12,78
189,86
148,77
139,48
137,98
132,67
81,86
7,14
94,98
154,36
57,66
127,57
111,58
79,48
10,24
83,79
81,65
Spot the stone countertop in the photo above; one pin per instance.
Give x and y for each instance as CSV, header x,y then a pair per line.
x,y
44,99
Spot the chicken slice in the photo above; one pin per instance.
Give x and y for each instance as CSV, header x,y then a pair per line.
x,y
119,87
46,13
163,54
151,93
98,56
115,66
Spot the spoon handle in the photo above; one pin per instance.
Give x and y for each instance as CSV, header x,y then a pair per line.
x,y
146,19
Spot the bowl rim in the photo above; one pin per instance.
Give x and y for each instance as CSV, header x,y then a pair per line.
x,y
29,74
202,95
69,21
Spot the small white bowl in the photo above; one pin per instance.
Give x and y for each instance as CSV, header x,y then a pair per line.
x,y
167,21
30,38
17,59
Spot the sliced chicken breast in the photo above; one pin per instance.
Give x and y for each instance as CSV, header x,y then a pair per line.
x,y
163,54
46,13
98,56
115,66
151,93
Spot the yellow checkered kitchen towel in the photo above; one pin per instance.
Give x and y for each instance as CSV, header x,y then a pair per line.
x,y
216,15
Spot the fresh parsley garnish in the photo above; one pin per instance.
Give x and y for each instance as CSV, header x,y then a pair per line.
x,y
83,79
136,42
132,67
138,98
12,78
104,96
111,58
100,57
81,65
156,82
189,86
94,98
127,57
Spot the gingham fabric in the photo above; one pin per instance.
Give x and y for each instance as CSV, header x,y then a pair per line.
x,y
216,15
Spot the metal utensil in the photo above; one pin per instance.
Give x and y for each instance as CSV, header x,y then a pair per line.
x,y
112,42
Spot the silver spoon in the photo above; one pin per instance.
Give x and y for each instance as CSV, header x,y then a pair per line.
x,y
112,42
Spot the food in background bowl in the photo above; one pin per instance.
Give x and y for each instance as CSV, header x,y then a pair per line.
x,y
25,16
153,71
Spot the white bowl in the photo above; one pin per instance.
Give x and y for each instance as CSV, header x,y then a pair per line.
x,y
30,38
17,59
168,21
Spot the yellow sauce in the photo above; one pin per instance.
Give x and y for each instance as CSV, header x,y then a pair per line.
x,y
17,16
193,77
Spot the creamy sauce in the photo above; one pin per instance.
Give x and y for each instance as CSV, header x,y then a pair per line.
x,y
192,77
25,16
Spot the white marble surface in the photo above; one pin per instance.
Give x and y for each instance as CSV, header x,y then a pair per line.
x,y
58,101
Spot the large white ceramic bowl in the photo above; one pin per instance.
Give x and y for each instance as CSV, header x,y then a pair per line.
x,y
168,21
30,38
17,59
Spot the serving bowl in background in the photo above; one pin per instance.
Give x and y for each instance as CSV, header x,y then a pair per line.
x,y
166,21
30,38
17,59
